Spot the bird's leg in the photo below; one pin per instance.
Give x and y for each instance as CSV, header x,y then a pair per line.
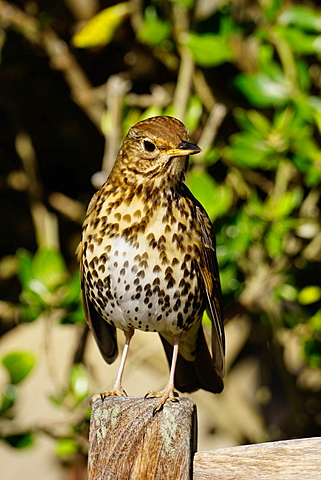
x,y
117,389
168,391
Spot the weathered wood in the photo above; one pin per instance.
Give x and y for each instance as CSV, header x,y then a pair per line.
x,y
285,460
127,442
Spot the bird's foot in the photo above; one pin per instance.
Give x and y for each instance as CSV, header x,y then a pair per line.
x,y
115,392
167,393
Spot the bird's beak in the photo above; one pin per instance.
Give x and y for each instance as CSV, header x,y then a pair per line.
x,y
185,148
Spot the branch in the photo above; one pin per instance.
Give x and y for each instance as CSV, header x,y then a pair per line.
x,y
61,57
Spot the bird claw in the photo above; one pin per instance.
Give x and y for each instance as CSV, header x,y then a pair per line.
x,y
164,395
115,392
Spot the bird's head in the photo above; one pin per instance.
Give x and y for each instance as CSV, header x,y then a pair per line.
x,y
155,148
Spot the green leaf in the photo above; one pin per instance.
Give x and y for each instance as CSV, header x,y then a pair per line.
x,y
18,365
202,186
49,269
222,201
262,90
304,78
315,321
72,291
23,440
284,122
273,242
301,42
25,267
275,236
154,30
314,104
312,350
216,199
66,446
41,275
301,16
184,3
254,208
283,205
8,397
252,152
32,310
79,382
75,316
208,50
229,283
260,122
309,294
288,292
193,113
313,177
100,29
271,8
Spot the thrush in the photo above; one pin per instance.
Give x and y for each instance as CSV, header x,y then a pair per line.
x,y
148,261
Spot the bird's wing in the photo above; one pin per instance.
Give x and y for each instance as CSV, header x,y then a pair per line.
x,y
210,274
104,333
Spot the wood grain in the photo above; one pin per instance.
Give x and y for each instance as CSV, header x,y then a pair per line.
x,y
285,460
127,442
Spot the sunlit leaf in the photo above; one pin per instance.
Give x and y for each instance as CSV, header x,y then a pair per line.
x,y
259,121
100,29
301,42
288,292
18,365
79,382
273,242
315,321
49,268
184,3
250,151
216,199
66,446
209,50
193,113
284,120
202,186
271,8
262,90
301,16
315,107
154,30
309,294
285,204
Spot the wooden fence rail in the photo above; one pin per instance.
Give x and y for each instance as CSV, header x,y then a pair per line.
x,y
127,442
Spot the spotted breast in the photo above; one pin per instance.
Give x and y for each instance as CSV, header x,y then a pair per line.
x,y
141,268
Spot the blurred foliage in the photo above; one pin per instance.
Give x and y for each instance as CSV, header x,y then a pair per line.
x,y
47,286
245,78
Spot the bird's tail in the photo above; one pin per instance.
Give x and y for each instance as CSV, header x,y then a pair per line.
x,y
199,373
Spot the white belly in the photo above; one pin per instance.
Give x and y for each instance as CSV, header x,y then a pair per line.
x,y
136,290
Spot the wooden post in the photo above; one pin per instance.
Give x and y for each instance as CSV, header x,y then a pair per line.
x,y
286,460
126,442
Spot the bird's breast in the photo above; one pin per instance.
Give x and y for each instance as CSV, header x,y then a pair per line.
x,y
140,265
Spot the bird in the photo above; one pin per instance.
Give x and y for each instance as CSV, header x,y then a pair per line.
x,y
148,261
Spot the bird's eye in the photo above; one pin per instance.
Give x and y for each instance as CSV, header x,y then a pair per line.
x,y
149,146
